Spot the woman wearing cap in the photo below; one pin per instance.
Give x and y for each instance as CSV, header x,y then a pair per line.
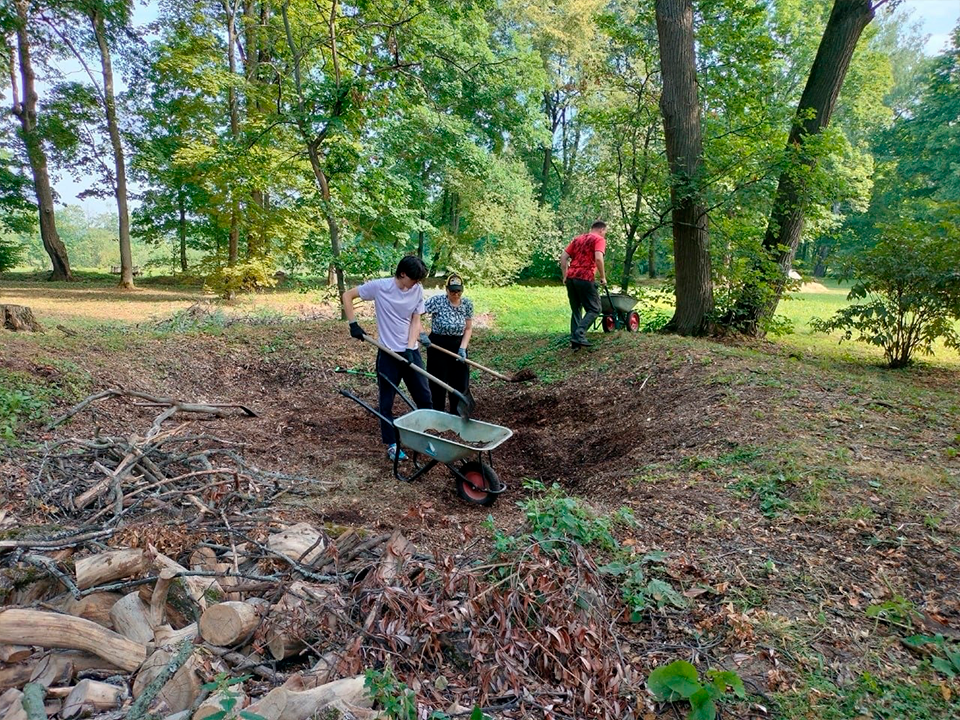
x,y
451,325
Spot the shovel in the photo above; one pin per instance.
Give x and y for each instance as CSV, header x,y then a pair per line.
x,y
521,376
465,404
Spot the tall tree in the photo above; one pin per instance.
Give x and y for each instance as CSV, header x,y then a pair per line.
x,y
681,123
25,109
760,297
119,13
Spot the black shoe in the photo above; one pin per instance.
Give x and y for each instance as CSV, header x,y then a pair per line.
x,y
574,346
582,343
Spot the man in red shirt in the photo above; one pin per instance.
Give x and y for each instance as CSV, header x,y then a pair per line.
x,y
580,263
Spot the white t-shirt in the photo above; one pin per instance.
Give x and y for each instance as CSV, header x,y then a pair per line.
x,y
394,308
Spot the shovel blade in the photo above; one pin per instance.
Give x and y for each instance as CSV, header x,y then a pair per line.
x,y
465,405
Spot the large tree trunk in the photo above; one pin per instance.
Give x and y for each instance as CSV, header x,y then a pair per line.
x,y
182,230
126,255
847,22
26,112
681,124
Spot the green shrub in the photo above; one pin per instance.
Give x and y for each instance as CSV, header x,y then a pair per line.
x,y
20,402
906,292
680,681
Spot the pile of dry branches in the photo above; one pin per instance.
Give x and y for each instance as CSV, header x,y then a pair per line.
x,y
171,570
176,472
305,614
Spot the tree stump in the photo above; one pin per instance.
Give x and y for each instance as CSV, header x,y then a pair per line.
x,y
18,318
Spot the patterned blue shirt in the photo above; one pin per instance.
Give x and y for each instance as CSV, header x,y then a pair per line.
x,y
448,319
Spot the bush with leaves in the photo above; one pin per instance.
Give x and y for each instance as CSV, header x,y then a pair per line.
x,y
680,681
247,276
906,292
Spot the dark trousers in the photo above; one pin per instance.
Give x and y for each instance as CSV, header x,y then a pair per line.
x,y
582,295
395,371
450,370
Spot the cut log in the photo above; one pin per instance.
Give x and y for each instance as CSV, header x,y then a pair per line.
x,y
229,623
397,552
296,542
15,709
48,629
227,582
90,697
105,567
214,704
200,589
16,676
168,638
158,601
18,318
203,559
131,618
59,668
284,704
180,691
320,674
14,653
94,607
8,700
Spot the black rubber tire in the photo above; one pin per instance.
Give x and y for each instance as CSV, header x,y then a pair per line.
x,y
609,323
483,476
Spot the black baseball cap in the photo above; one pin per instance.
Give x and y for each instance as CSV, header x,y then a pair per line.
x,y
455,284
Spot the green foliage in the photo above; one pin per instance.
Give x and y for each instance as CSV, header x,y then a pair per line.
x,y
640,592
398,701
768,490
222,687
555,518
10,252
246,276
908,286
21,401
897,611
946,661
680,681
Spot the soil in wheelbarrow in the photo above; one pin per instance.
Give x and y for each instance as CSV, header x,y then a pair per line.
x,y
452,436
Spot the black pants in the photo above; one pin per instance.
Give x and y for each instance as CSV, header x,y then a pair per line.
x,y
395,371
443,367
582,295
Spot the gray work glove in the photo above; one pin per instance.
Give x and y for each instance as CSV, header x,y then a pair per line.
x,y
462,352
425,340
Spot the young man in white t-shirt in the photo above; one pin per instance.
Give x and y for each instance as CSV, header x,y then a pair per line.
x,y
398,303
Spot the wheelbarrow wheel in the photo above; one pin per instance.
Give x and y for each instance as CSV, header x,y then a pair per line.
x,y
482,478
633,321
609,323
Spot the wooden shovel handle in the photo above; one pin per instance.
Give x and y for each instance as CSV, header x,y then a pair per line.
x,y
419,369
468,361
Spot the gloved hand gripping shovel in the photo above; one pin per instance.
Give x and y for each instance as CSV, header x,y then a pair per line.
x,y
465,402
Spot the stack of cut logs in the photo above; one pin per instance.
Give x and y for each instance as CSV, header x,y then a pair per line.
x,y
140,634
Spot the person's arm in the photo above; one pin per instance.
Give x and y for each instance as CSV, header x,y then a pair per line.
x,y
467,332
413,337
564,264
601,271
348,297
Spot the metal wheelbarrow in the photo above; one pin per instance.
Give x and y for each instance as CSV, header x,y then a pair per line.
x,y
618,313
419,432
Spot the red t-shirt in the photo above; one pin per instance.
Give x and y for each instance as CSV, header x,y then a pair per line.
x,y
583,262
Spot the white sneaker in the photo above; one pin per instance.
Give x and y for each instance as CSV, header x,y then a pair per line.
x,y
392,453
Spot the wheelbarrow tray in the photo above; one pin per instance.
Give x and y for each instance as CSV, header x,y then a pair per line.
x,y
621,303
418,430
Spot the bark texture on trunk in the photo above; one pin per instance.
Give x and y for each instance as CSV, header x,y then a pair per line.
x,y
844,27
26,111
120,187
681,123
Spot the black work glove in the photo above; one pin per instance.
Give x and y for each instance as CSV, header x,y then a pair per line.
x,y
356,331
410,355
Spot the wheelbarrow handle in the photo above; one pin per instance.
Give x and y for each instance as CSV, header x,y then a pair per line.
x,y
419,369
468,361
